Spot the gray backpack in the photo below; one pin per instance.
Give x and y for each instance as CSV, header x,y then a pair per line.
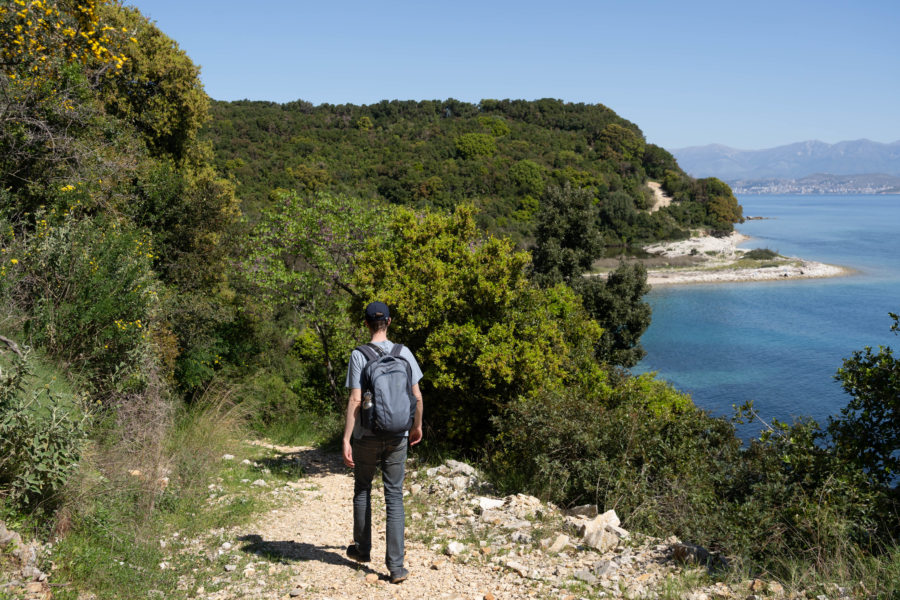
x,y
388,404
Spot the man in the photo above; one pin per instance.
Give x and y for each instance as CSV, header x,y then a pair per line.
x,y
364,451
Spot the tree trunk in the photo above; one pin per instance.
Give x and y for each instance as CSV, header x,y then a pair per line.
x,y
336,392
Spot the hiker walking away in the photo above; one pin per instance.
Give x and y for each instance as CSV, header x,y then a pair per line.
x,y
384,416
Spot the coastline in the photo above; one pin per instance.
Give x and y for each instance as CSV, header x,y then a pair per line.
x,y
706,259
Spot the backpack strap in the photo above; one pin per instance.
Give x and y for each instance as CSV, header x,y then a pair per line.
x,y
377,349
396,350
369,351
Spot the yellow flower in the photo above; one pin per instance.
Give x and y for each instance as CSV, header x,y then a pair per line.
x,y
14,261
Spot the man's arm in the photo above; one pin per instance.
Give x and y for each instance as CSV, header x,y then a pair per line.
x,y
415,434
352,414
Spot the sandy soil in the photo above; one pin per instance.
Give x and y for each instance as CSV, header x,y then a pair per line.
x,y
662,198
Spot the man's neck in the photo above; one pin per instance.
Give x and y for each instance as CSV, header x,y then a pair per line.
x,y
379,336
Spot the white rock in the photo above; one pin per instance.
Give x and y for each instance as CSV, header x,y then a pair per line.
x,y
246,461
493,516
228,457
517,524
596,536
259,482
618,532
230,568
520,537
488,503
461,483
609,518
561,541
518,567
457,467
455,548
226,546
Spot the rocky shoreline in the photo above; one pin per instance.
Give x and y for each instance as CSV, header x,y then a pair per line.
x,y
709,259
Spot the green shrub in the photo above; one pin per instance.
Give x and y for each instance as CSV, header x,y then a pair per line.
x,y
669,468
89,290
483,333
761,254
471,145
40,441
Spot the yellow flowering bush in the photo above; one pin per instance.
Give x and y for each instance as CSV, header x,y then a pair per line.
x,y
37,36
91,293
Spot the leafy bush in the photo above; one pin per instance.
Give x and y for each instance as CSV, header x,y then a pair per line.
x,y
668,468
89,289
472,145
484,334
867,432
761,254
40,442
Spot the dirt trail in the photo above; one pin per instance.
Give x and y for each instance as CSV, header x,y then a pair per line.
x,y
304,541
662,198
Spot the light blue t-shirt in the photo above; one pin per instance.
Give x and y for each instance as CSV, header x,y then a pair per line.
x,y
354,376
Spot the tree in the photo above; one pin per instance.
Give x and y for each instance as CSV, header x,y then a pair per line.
x,y
528,176
868,431
158,89
51,55
617,213
722,207
472,145
567,239
618,305
302,255
464,304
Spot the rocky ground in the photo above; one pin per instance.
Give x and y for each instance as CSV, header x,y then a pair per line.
x,y
462,543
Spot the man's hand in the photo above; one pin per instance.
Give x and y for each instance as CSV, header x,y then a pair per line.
x,y
415,435
348,453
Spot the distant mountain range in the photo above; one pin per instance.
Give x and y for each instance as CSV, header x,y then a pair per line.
x,y
864,166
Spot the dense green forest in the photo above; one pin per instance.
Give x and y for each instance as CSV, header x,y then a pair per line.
x,y
500,155
164,289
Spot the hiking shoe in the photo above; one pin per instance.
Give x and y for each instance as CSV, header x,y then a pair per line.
x,y
400,575
354,553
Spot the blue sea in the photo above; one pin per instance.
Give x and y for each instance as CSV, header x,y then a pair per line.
x,y
780,343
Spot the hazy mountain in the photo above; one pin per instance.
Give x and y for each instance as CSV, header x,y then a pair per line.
x,y
792,161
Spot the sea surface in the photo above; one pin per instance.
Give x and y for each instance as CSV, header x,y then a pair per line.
x,y
780,343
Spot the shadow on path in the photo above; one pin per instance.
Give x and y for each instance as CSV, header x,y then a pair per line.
x,y
284,551
305,462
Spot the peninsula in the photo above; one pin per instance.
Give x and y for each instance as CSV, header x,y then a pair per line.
x,y
705,258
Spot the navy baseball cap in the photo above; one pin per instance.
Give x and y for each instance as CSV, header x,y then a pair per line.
x,y
377,311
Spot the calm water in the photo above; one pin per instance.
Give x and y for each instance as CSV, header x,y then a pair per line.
x,y
780,343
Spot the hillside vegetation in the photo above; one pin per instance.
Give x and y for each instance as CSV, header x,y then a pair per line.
x,y
500,155
147,325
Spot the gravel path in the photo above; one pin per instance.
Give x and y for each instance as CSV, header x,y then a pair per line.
x,y
304,542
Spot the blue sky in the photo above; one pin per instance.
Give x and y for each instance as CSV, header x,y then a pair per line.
x,y
745,74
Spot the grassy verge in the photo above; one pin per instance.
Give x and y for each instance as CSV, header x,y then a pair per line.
x,y
129,532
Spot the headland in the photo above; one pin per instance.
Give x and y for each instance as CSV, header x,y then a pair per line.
x,y
704,258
